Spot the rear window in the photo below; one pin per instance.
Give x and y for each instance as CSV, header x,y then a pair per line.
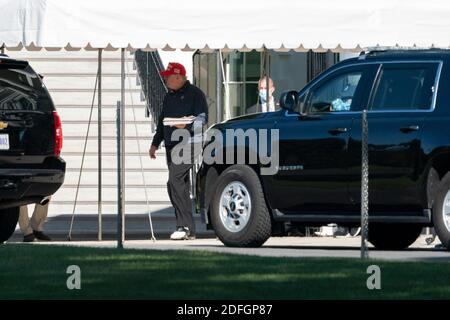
x,y
22,89
405,86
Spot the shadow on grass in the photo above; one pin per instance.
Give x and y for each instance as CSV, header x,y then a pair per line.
x,y
40,272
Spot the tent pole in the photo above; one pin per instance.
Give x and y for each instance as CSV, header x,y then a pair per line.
x,y
218,87
364,186
121,155
266,62
119,177
122,117
225,77
99,127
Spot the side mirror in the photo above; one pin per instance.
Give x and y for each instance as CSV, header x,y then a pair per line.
x,y
289,100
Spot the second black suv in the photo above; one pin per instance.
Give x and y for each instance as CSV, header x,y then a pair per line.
x,y
319,173
30,142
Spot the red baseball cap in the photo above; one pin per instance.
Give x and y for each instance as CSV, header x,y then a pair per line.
x,y
173,68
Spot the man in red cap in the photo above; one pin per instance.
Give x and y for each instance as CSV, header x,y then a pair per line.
x,y
183,99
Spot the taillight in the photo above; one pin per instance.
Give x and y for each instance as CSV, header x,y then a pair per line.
x,y
58,133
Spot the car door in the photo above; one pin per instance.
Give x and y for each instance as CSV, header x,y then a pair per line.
x,y
403,94
313,176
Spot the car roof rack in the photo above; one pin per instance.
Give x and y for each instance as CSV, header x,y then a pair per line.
x,y
392,49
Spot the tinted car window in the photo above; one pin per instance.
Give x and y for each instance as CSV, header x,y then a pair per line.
x,y
335,94
405,87
23,90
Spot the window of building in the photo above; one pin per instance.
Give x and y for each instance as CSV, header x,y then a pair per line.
x,y
242,72
204,76
318,62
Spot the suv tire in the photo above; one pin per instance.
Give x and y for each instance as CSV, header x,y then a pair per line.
x,y
393,236
239,194
440,226
8,222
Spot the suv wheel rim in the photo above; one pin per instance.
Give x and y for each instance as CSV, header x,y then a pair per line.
x,y
446,211
235,206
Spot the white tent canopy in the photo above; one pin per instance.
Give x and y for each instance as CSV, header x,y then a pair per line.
x,y
231,24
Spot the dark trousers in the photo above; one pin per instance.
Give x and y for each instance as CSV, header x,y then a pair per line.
x,y
178,189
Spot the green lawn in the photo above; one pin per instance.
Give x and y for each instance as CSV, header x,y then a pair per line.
x,y
31,271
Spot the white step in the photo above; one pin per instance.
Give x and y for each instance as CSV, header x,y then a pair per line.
x,y
88,82
79,66
131,177
110,162
85,98
108,114
108,145
110,194
109,129
58,208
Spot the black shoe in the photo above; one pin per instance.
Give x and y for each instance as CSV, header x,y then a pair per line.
x,y
29,238
41,236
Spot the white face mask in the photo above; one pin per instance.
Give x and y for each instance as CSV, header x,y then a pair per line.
x,y
263,94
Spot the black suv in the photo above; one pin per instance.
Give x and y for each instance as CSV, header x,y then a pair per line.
x,y
30,142
319,173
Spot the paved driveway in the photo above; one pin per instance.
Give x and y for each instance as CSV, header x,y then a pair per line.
x,y
319,247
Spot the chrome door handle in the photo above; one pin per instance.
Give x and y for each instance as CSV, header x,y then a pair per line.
x,y
336,131
409,129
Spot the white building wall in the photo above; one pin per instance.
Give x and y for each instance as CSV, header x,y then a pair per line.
x,y
70,78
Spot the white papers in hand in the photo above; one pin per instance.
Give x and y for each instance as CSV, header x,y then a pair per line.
x,y
175,121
